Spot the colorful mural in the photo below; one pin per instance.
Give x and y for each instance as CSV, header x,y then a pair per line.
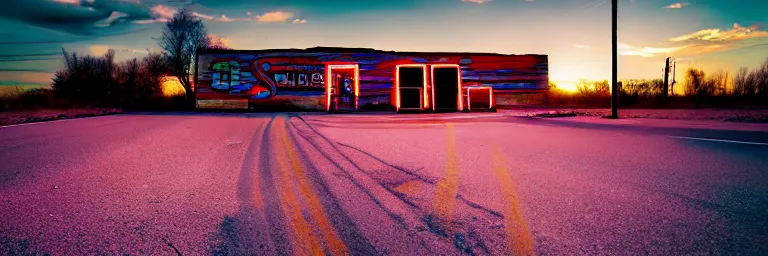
x,y
296,77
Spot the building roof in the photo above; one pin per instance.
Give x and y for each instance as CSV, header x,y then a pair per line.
x,y
356,50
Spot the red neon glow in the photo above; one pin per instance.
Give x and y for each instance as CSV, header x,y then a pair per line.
x,y
490,95
329,72
459,95
327,88
423,95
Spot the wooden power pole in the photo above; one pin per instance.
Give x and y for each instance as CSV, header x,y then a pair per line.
x,y
615,65
666,78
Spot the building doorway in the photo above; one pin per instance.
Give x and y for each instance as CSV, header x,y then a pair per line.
x,y
446,87
342,87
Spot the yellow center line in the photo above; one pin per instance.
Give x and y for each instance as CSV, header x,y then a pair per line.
x,y
317,211
305,242
445,199
518,237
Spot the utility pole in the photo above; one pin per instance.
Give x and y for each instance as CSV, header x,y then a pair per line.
x,y
674,75
615,54
666,78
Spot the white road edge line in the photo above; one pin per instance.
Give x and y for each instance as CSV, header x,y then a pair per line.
x,y
717,140
43,122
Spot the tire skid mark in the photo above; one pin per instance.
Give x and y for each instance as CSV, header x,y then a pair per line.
x,y
393,215
434,227
250,215
305,242
347,159
401,169
317,211
423,179
396,217
278,228
358,245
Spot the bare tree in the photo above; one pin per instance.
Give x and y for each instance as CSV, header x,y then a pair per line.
x,y
761,79
182,36
602,88
694,83
718,81
218,43
741,83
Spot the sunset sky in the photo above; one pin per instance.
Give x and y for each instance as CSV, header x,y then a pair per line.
x,y
574,33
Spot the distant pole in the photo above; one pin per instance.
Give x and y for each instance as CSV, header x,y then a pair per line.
x,y
674,76
666,78
615,54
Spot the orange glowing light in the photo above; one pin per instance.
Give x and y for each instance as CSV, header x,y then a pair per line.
x,y
490,96
459,83
328,82
423,95
171,86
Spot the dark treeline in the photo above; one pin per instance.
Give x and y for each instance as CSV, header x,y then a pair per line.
x,y
747,88
98,80
101,81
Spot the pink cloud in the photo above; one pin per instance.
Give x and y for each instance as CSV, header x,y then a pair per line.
x,y
717,35
275,16
675,6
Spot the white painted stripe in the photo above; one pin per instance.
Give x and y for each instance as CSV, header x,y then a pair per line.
x,y
54,121
728,141
43,122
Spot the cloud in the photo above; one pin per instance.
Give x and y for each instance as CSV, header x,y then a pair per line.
x,y
162,11
717,35
664,50
114,17
203,16
100,18
74,2
629,50
479,1
276,16
220,42
76,17
675,6
99,50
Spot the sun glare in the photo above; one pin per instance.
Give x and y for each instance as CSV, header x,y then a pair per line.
x,y
171,86
566,86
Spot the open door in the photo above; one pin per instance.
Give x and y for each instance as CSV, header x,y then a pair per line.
x,y
410,87
446,87
342,87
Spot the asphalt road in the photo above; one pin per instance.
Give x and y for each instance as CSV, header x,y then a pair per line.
x,y
376,184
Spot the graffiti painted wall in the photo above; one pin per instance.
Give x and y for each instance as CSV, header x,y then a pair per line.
x,y
296,77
